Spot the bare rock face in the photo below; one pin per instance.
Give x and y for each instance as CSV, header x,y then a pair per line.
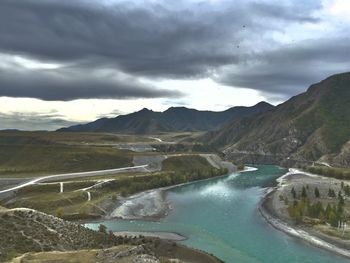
x,y
343,158
137,253
145,259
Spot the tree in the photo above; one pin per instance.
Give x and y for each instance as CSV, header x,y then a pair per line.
x,y
328,210
347,190
102,228
333,220
317,192
322,216
303,192
341,199
331,192
286,201
60,212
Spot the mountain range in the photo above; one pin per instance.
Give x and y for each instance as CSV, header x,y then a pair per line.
x,y
174,119
312,126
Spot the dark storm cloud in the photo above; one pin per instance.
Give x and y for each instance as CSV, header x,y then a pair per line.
x,y
288,70
156,39
151,40
69,84
33,121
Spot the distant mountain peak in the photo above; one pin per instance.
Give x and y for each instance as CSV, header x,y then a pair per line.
x,y
145,110
174,119
263,103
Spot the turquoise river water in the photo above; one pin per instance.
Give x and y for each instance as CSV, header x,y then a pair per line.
x,y
220,216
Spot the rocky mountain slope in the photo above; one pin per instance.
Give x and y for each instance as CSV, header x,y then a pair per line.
x,y
172,120
312,126
23,230
44,238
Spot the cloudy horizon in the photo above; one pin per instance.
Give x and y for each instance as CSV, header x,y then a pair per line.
x,y
64,62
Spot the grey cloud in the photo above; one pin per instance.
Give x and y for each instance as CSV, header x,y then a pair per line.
x,y
294,12
111,114
70,84
288,70
33,121
176,103
157,39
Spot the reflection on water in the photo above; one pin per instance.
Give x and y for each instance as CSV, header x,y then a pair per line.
x,y
220,216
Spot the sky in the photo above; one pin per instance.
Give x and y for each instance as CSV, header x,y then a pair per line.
x,y
64,62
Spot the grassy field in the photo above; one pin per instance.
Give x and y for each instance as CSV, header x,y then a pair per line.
x,y
185,163
30,154
27,154
86,256
34,160
179,136
74,138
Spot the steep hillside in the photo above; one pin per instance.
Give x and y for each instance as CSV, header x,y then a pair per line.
x,y
23,230
174,119
45,238
313,126
184,119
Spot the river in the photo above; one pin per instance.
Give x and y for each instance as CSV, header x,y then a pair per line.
x,y
220,216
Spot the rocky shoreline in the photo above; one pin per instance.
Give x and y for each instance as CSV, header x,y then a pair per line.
x,y
151,204
311,236
157,234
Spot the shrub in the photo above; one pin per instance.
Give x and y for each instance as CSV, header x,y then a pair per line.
x,y
60,212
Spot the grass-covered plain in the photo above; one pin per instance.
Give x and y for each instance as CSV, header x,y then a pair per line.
x,y
185,162
27,154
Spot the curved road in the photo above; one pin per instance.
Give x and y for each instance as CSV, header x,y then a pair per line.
x,y
73,175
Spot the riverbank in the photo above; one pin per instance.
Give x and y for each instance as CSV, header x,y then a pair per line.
x,y
276,216
152,204
161,235
147,205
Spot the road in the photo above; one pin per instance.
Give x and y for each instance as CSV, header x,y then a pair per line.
x,y
214,160
73,175
157,139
